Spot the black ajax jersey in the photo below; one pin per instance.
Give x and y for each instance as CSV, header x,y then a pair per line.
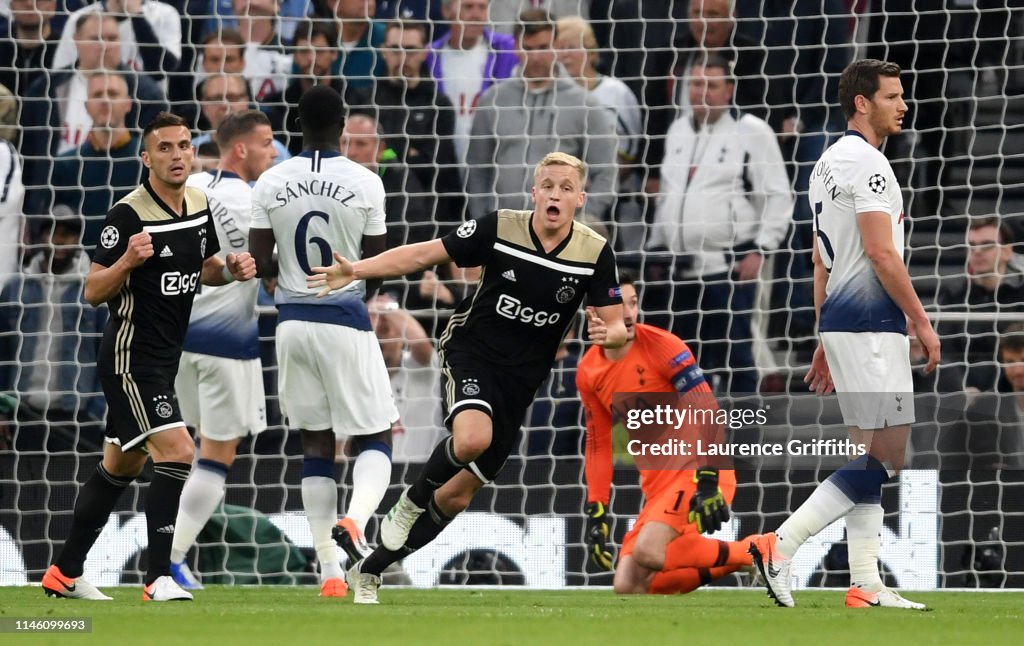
x,y
149,315
527,297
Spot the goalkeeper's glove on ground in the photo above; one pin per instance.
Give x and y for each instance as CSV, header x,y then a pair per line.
x,y
597,535
708,509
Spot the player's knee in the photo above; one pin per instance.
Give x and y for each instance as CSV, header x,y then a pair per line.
x,y
471,444
373,442
651,557
318,444
181,452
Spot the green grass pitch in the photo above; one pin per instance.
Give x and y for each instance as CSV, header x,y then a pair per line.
x,y
286,616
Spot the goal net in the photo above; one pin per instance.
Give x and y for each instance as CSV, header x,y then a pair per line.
x,y
954,519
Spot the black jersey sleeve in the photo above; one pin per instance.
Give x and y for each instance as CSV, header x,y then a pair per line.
x,y
604,287
122,223
212,241
472,244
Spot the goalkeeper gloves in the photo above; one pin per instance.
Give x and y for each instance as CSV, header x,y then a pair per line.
x,y
597,535
708,509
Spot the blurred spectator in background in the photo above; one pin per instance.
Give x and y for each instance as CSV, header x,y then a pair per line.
x,y
12,196
807,45
577,52
266,64
28,42
994,283
505,13
49,337
150,36
519,120
711,30
221,52
409,209
53,116
468,60
222,95
290,13
411,217
206,158
726,203
995,434
313,56
93,177
418,122
936,68
427,12
359,39
415,379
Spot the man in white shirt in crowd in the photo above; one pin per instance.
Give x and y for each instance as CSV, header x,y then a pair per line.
x,y
726,202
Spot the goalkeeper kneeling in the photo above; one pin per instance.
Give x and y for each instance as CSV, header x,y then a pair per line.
x,y
666,551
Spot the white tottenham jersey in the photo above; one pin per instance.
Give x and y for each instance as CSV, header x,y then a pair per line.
x,y
223,322
854,177
317,203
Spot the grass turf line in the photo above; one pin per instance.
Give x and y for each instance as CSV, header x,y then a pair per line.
x,y
226,616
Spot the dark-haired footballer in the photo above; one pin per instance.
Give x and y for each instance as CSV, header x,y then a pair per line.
x,y
158,244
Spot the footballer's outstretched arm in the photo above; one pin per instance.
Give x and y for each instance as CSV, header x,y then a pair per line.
x,y
373,246
394,262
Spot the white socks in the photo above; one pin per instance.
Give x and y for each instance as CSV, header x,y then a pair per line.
x,y
320,500
826,505
864,537
202,493
371,475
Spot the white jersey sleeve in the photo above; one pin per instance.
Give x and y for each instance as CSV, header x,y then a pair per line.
x,y
317,203
12,197
853,177
224,321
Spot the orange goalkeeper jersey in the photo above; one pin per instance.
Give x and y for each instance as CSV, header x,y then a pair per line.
x,y
657,362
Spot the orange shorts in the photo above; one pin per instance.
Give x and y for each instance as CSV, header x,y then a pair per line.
x,y
672,506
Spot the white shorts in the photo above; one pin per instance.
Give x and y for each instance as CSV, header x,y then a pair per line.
x,y
221,397
871,372
333,377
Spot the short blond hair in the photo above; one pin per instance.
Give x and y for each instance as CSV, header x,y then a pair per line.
x,y
562,159
577,24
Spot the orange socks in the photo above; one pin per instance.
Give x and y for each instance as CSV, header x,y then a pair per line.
x,y
692,550
687,579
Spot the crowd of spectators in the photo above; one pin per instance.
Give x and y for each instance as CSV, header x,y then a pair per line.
x,y
452,102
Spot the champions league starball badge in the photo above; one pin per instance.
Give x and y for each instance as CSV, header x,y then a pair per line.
x,y
109,236
877,184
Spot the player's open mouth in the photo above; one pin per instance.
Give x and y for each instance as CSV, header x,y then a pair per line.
x,y
554,211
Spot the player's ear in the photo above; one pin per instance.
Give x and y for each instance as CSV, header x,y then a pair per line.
x,y
533,194
581,199
860,102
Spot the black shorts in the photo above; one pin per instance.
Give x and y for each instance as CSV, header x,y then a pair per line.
x,y
468,383
138,406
